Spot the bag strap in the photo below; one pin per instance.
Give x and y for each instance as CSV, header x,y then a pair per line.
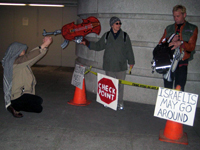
x,y
107,34
125,37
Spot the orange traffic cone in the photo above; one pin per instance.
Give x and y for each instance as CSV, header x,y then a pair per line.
x,y
173,131
79,97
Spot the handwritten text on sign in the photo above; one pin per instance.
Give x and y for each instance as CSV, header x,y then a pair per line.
x,y
78,75
176,105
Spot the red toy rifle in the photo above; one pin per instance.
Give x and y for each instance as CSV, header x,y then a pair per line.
x,y
77,32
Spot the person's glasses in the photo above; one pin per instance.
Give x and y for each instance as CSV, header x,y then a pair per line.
x,y
118,23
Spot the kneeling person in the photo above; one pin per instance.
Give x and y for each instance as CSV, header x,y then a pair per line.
x,y
18,79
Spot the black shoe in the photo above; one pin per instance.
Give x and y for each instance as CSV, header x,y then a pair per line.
x,y
120,107
14,112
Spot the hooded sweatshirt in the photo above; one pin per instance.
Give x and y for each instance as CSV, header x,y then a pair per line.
x,y
13,51
18,76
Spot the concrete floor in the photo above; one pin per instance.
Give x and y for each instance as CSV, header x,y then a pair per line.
x,y
66,127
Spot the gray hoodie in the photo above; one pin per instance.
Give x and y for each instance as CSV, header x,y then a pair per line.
x,y
13,51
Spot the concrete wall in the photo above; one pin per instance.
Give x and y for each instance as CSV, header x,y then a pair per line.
x,y
145,22
39,18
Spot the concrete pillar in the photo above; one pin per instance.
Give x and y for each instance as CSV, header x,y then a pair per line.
x,y
145,22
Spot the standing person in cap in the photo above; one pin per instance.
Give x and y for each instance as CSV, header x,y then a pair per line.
x,y
118,52
18,79
185,39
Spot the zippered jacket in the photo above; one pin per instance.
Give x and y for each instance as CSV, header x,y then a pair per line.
x,y
188,34
23,78
118,53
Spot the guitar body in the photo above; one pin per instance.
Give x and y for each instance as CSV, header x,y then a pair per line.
x,y
89,25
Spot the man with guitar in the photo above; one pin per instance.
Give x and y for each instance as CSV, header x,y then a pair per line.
x,y
118,52
185,39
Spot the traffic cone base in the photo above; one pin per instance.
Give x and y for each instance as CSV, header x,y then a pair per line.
x,y
79,97
71,102
182,140
173,131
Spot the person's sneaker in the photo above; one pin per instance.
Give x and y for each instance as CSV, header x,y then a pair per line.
x,y
105,106
120,107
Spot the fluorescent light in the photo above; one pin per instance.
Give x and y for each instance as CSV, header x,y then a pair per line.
x,y
13,4
22,4
46,5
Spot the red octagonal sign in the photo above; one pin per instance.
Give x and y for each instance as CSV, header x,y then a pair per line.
x,y
107,90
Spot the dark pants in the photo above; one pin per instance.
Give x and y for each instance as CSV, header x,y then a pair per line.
x,y
28,103
180,77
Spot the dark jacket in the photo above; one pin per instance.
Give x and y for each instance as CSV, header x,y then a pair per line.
x,y
117,51
188,34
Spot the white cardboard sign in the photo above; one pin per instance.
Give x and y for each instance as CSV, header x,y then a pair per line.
x,y
107,91
176,106
78,75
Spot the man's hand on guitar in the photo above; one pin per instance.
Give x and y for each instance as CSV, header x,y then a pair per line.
x,y
85,42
